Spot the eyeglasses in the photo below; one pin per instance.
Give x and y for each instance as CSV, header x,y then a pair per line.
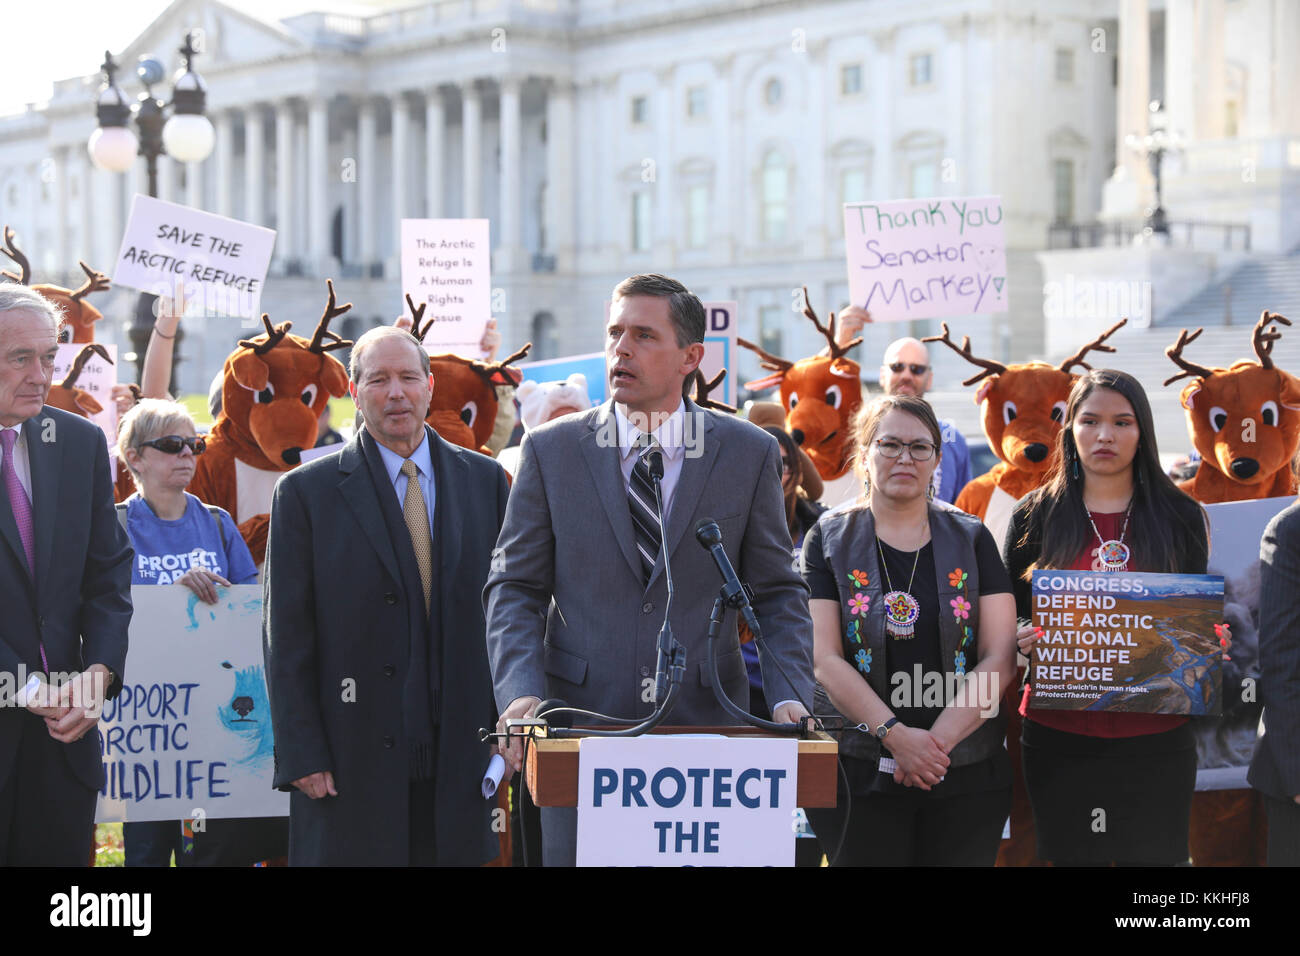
x,y
919,450
917,370
172,444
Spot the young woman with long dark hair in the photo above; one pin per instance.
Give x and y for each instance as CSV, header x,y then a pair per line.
x,y
1106,787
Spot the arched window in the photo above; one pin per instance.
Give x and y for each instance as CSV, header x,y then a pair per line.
x,y
776,196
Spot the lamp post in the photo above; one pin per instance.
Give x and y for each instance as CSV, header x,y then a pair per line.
x,y
185,135
1154,145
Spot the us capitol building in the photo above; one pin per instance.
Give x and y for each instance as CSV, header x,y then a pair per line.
x,y
714,140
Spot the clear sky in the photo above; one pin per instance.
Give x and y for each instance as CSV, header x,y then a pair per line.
x,y
49,40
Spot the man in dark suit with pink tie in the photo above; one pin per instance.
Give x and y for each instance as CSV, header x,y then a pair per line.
x,y
65,577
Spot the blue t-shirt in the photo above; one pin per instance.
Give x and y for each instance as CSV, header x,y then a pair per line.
x,y
166,550
953,473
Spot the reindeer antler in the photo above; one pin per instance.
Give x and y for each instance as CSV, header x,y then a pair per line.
x,y
498,370
1263,341
1175,353
322,332
416,315
769,361
274,334
990,367
1094,346
79,363
704,386
95,282
13,252
827,330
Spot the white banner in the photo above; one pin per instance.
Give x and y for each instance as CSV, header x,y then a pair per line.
x,y
686,801
926,258
446,265
721,320
221,262
96,378
190,731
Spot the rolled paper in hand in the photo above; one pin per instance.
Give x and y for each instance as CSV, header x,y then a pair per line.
x,y
492,778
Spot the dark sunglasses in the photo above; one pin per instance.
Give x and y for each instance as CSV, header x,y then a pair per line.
x,y
172,444
918,370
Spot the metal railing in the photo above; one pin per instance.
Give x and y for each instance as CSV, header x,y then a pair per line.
x,y
1093,235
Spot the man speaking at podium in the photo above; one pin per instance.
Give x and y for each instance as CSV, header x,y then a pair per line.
x,y
576,595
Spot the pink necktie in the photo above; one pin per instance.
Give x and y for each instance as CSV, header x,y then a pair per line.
x,y
21,507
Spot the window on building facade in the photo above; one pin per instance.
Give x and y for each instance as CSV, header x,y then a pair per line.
x,y
922,179
1064,65
919,69
1230,123
697,217
772,92
640,110
641,221
697,102
1063,190
853,188
769,328
851,79
776,196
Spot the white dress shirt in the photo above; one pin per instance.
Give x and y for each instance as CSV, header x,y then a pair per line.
x,y
670,436
424,462
22,464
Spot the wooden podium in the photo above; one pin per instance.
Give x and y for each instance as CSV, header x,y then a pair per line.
x,y
551,770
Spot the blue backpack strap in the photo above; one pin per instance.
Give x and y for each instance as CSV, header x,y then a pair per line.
x,y
216,513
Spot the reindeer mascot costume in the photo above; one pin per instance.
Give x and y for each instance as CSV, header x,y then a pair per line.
x,y
273,390
79,315
1245,423
820,395
1023,411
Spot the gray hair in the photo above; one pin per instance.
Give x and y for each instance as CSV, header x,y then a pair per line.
x,y
21,298
684,306
374,335
150,418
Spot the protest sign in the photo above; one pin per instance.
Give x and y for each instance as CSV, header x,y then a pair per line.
x,y
592,365
926,258
96,378
446,265
686,801
221,262
191,729
721,320
1225,745
1130,641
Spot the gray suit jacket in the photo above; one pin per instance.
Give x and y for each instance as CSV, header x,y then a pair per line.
x,y
568,614
1275,769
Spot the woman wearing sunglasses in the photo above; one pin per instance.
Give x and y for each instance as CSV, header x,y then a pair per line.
x,y
177,540
913,641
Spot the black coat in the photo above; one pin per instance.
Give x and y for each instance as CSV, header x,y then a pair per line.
x,y
336,610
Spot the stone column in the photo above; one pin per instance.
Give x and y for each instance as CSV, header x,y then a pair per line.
x,y
665,195
1125,193
883,67
509,255
223,162
1181,66
1210,71
471,144
725,114
808,178
194,185
62,210
367,170
1285,118
286,241
435,121
400,143
254,169
86,206
318,182
560,152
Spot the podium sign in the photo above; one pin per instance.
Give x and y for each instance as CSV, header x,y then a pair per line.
x,y
686,801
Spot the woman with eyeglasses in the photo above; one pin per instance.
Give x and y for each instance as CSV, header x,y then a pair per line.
x,y
913,641
177,540
1106,787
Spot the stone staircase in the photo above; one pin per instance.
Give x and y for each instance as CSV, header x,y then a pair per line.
x,y
1261,282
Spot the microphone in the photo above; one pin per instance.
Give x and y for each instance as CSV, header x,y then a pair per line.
x,y
655,462
709,535
670,657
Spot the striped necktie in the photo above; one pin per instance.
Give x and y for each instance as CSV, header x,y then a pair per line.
x,y
641,502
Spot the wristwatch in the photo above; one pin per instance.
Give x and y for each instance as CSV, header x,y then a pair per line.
x,y
883,730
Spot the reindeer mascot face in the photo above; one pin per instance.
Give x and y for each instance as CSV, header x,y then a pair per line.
x,y
79,315
820,396
1023,409
274,388
464,404
1244,421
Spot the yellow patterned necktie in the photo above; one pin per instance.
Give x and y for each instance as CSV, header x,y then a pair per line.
x,y
417,523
